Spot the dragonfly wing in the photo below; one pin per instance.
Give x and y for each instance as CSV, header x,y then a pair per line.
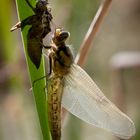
x,y
84,99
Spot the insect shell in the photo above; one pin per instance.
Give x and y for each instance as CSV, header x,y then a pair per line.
x,y
40,27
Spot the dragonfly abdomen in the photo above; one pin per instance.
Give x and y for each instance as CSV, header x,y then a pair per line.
x,y
55,89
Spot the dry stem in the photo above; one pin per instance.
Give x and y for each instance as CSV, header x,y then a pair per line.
x,y
94,27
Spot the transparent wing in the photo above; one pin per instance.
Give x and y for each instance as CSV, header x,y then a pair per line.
x,y
85,100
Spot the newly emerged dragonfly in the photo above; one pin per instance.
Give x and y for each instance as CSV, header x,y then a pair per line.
x,y
70,85
40,27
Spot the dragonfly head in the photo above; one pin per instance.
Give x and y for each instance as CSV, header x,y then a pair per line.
x,y
60,36
41,5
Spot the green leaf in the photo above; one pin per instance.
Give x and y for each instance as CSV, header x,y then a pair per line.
x,y
39,87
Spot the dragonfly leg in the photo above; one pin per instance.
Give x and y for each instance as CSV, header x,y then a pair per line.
x,y
16,26
46,76
50,65
46,47
21,24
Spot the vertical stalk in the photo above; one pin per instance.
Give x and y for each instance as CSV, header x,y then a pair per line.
x,y
92,31
38,90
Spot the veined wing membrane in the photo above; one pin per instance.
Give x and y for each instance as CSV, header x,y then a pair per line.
x,y
84,99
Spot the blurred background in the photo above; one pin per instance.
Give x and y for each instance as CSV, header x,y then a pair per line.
x,y
113,63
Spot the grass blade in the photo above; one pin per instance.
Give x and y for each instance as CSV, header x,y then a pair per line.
x,y
39,93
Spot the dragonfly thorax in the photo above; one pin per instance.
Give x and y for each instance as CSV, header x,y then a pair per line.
x,y
62,56
62,60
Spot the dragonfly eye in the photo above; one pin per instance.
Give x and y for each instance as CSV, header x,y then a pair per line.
x,y
61,38
64,35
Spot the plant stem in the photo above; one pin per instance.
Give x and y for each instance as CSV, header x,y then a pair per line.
x,y
38,89
94,27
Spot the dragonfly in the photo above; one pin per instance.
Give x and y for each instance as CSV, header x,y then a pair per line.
x,y
40,27
69,85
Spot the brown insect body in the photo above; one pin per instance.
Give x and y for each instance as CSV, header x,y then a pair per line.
x,y
40,27
61,58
